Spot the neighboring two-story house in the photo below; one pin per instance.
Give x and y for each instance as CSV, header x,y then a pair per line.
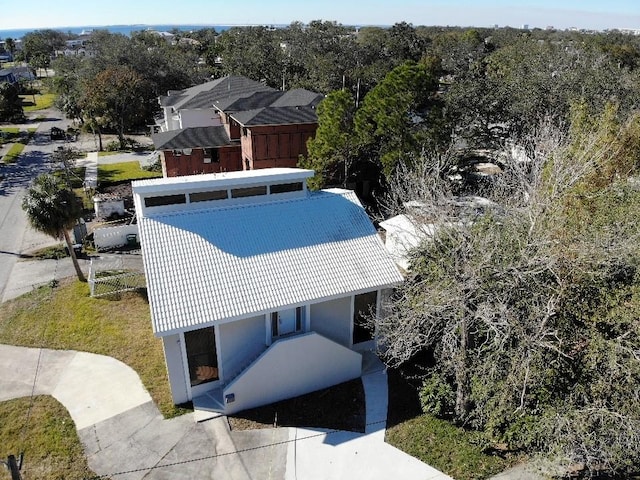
x,y
258,287
234,123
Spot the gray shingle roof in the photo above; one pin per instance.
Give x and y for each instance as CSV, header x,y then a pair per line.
x,y
276,116
297,98
204,95
239,103
193,137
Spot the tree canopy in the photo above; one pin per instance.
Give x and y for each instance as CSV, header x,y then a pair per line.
x,y
53,209
526,306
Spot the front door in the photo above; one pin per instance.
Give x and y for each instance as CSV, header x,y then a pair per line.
x,y
286,322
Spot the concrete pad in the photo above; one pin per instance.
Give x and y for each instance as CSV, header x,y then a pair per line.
x,y
345,455
263,453
376,403
94,388
119,428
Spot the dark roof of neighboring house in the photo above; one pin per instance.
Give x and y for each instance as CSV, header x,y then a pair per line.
x,y
194,137
276,116
297,98
204,95
292,98
239,103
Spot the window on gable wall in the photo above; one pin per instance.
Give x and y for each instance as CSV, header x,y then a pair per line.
x,y
211,155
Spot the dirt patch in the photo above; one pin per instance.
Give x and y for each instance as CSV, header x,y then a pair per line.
x,y
122,189
341,407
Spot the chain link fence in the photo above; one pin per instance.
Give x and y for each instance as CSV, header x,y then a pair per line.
x,y
113,274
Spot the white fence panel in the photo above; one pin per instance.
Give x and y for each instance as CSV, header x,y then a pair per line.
x,y
111,237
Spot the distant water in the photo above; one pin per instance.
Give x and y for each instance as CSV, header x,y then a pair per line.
x,y
123,29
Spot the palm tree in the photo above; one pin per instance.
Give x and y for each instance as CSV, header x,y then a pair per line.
x,y
52,208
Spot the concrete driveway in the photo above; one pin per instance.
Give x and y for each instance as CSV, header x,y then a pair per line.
x,y
125,436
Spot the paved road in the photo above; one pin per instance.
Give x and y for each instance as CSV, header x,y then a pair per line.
x,y
14,230
16,237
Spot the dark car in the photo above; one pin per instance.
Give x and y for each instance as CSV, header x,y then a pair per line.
x,y
57,134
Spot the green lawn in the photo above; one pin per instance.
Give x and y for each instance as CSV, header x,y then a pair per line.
x,y
43,101
48,439
118,172
66,317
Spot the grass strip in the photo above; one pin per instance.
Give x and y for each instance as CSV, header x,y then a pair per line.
x,y
14,152
49,440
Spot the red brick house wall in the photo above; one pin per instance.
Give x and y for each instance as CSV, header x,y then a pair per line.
x,y
275,146
230,160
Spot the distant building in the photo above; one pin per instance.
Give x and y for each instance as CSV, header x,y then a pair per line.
x,y
234,123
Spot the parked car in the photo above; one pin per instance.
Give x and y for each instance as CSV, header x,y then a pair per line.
x,y
57,134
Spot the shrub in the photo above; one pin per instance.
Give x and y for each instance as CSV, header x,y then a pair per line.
x,y
437,397
113,146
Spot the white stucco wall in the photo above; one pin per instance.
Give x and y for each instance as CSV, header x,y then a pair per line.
x,y
333,320
240,343
293,366
110,237
199,118
175,368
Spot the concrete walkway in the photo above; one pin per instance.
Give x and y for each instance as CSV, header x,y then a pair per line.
x,y
123,432
91,170
322,454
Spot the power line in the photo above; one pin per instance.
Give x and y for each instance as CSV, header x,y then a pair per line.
x,y
226,454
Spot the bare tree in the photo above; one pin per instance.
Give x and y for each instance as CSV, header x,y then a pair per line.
x,y
506,292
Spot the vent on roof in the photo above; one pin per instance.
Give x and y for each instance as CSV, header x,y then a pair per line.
x,y
286,187
207,196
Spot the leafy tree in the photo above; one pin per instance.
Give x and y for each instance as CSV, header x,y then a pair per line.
x,y
254,52
53,209
162,66
391,113
331,150
10,45
40,46
116,98
527,305
10,104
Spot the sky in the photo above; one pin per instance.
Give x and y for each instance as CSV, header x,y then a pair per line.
x,y
589,14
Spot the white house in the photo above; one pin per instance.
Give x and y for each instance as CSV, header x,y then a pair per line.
x,y
402,234
406,231
257,286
